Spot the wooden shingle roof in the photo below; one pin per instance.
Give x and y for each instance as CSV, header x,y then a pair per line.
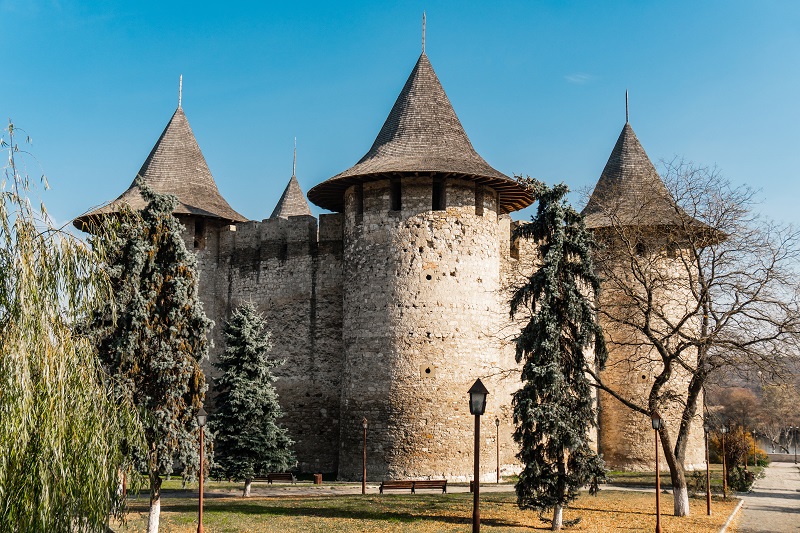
x,y
293,201
175,166
422,135
630,191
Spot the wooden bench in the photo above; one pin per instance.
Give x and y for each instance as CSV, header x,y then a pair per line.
x,y
277,476
403,484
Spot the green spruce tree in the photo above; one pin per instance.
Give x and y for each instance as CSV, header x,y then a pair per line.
x,y
248,439
155,345
553,411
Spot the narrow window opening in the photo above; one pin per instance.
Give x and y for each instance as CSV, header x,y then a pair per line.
x,y
479,200
360,199
284,253
438,195
514,248
641,250
199,234
395,193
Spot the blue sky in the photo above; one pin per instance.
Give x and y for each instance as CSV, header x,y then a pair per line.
x,y
538,86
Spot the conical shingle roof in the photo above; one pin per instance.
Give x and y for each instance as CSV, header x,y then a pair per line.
x,y
421,135
630,191
292,203
175,166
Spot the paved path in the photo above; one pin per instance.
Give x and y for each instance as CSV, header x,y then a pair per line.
x,y
773,506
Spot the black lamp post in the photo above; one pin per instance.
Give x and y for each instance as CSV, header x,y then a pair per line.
x,y
657,422
364,459
724,430
706,429
477,406
201,423
794,439
497,438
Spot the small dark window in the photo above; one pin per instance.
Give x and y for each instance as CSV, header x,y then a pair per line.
x,y
199,234
479,201
395,194
641,249
284,253
438,195
360,199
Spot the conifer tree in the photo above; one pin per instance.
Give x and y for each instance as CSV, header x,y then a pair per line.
x,y
156,344
248,439
553,411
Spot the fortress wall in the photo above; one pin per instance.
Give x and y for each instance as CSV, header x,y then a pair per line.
x,y
626,438
422,318
293,277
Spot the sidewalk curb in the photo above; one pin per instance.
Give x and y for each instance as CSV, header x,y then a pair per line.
x,y
731,517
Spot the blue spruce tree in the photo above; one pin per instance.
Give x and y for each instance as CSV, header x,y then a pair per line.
x,y
248,440
154,347
553,411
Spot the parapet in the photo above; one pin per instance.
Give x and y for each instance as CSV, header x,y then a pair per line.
x,y
280,238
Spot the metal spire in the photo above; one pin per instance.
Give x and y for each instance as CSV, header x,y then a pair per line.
x,y
423,32
294,160
626,106
180,90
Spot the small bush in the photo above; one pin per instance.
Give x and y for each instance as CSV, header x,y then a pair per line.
x,y
740,480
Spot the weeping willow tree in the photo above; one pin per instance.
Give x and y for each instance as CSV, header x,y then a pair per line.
x,y
62,430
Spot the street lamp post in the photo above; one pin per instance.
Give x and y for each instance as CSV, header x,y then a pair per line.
x,y
201,423
497,425
706,428
724,430
477,406
794,439
364,459
657,422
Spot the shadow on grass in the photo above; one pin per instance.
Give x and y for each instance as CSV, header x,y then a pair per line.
x,y
348,509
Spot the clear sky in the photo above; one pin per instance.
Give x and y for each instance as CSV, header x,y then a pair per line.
x,y
539,87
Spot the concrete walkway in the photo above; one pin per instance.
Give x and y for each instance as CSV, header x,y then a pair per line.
x,y
773,506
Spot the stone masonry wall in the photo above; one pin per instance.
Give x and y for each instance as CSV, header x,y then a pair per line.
x,y
423,319
292,271
626,437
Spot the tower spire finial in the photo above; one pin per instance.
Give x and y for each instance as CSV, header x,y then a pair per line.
x,y
180,90
626,106
294,159
423,32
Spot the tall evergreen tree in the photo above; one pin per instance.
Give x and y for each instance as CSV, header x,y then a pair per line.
x,y
248,439
553,411
159,337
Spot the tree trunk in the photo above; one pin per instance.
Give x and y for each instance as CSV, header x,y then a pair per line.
x,y
680,500
558,518
155,503
247,483
677,474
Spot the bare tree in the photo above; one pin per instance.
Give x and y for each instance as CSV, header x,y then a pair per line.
x,y
694,282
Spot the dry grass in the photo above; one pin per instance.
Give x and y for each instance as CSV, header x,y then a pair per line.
x,y
610,511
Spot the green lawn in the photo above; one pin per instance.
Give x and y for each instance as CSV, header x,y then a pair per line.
x,y
648,479
610,511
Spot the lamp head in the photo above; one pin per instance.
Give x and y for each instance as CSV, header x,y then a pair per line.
x,y
201,417
364,423
656,420
723,430
477,398
497,422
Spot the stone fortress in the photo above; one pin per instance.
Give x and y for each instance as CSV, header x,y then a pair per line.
x,y
390,307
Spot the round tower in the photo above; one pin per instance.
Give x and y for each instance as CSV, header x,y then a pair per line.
x,y
423,309
630,209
